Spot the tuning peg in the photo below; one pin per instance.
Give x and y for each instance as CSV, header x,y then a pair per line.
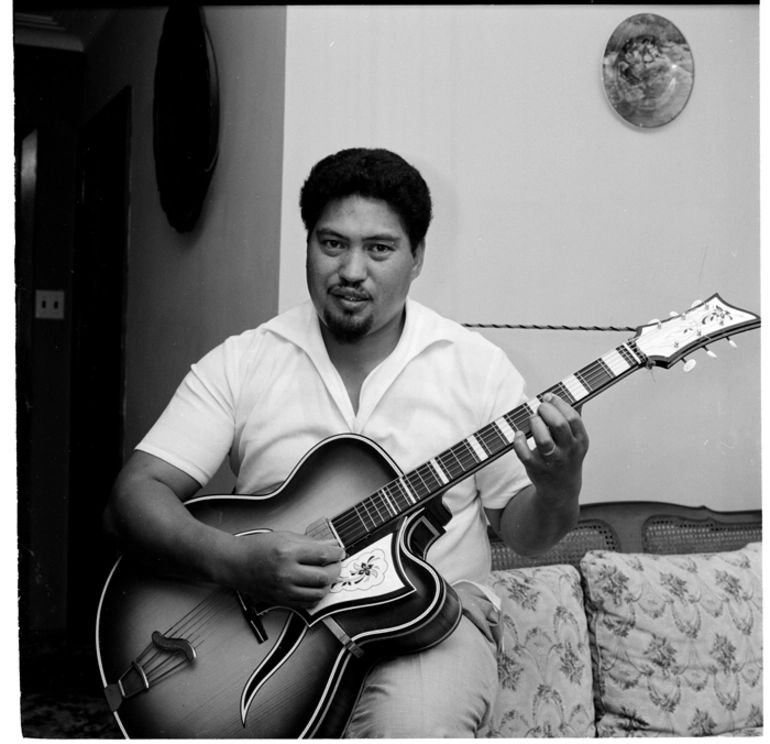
x,y
696,303
710,353
732,343
689,365
673,314
655,321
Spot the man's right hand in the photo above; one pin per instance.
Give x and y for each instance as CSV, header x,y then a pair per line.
x,y
148,520
283,569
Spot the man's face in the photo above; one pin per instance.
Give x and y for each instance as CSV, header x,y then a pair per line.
x,y
360,266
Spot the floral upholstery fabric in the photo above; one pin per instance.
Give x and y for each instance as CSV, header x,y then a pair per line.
x,y
545,664
676,642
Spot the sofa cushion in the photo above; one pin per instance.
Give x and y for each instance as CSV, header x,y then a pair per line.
x,y
676,641
545,662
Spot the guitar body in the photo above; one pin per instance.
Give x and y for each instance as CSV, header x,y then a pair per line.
x,y
223,667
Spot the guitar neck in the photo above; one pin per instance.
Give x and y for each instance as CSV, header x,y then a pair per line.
x,y
412,490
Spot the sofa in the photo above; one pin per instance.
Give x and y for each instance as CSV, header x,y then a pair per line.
x,y
645,620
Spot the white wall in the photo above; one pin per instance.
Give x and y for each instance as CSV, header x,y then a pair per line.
x,y
550,209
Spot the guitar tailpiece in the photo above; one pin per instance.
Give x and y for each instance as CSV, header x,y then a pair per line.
x,y
132,682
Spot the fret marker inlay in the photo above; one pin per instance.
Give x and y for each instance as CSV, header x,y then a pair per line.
x,y
438,470
505,429
477,448
533,405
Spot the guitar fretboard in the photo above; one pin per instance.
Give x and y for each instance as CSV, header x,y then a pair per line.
x,y
405,494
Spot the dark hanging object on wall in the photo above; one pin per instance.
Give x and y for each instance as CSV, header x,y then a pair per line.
x,y
185,115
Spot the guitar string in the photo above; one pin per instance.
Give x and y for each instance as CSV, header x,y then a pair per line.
x,y
461,454
604,371
594,376
489,437
193,625
163,659
597,371
197,621
194,635
190,628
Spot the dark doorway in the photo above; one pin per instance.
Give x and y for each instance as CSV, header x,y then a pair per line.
x,y
98,307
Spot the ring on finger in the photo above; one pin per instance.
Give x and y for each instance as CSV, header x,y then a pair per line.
x,y
550,451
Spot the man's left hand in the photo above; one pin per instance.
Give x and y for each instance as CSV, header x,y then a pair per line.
x,y
555,464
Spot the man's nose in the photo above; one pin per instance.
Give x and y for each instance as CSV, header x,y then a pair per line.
x,y
353,265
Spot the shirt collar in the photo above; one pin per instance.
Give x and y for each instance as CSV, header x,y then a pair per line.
x,y
423,328
301,327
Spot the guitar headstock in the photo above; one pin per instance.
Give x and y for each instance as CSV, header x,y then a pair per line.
x,y
667,342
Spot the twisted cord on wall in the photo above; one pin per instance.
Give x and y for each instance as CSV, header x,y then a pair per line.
x,y
547,327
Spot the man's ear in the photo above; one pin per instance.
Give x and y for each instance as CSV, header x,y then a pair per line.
x,y
418,254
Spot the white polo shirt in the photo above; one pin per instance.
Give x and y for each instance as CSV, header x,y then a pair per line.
x,y
269,395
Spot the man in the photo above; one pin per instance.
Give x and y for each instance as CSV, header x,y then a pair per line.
x,y
359,357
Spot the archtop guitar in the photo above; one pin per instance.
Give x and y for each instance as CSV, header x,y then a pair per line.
x,y
184,659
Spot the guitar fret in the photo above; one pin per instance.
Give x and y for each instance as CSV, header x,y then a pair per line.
x,y
481,439
581,378
614,363
423,473
621,360
454,466
417,484
406,495
505,429
439,471
493,439
625,353
533,405
421,486
378,501
406,490
576,389
510,419
377,519
371,524
389,502
519,418
606,369
465,457
417,488
562,391
476,448
636,356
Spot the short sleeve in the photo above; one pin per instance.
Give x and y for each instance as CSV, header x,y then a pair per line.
x,y
195,432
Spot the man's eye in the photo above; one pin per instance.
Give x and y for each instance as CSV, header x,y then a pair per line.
x,y
379,248
332,244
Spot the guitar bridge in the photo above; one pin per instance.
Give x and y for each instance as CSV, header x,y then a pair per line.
x,y
174,645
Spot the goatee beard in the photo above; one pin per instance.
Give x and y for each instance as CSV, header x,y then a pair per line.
x,y
347,329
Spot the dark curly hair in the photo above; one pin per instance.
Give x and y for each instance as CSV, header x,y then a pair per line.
x,y
372,173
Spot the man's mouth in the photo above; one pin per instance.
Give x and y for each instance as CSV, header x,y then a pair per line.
x,y
349,297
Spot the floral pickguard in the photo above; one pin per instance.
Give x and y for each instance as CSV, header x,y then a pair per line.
x,y
368,574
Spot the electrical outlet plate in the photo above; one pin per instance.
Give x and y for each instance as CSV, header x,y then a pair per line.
x,y
49,304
